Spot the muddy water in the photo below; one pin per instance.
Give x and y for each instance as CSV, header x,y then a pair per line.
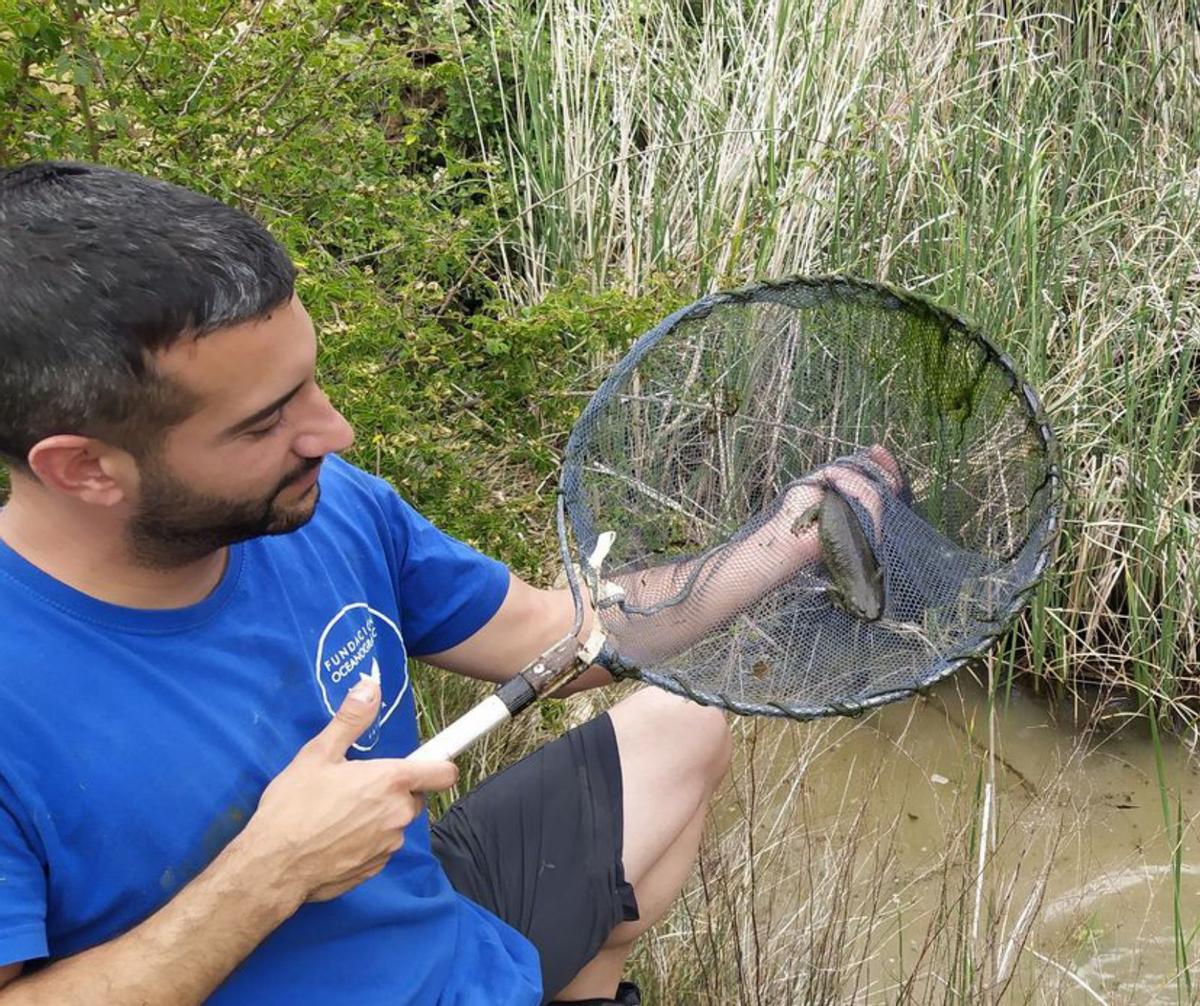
x,y
1071,899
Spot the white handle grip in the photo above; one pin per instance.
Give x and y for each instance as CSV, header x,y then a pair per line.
x,y
465,731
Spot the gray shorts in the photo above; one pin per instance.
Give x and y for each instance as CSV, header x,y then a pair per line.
x,y
540,843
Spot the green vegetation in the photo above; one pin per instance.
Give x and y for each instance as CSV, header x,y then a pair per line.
x,y
488,201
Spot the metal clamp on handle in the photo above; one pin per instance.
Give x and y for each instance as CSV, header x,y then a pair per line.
x,y
554,667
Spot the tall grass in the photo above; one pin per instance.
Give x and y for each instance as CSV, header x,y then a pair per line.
x,y
1037,167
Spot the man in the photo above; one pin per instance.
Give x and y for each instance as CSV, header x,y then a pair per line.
x,y
204,794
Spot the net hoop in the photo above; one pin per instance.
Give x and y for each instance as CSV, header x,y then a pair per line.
x,y
582,521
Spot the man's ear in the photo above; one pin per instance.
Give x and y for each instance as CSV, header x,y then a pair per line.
x,y
85,468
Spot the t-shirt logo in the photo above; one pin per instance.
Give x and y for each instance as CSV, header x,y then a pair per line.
x,y
360,641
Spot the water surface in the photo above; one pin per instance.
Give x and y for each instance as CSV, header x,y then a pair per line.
x,y
1071,900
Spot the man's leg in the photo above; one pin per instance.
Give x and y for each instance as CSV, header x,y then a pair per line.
x,y
673,754
563,842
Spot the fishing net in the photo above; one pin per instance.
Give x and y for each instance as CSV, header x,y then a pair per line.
x,y
711,449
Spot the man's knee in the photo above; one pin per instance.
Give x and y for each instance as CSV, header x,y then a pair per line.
x,y
665,726
708,728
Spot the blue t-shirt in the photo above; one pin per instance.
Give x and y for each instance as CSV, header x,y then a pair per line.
x,y
134,744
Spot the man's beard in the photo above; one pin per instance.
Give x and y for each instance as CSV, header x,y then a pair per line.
x,y
175,525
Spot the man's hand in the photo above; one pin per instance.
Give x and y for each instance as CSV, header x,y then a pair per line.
x,y
328,824
801,498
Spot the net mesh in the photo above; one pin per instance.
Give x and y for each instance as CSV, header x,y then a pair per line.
x,y
712,446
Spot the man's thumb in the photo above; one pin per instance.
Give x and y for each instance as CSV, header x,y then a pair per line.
x,y
355,714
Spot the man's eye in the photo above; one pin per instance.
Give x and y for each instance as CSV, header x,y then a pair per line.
x,y
262,431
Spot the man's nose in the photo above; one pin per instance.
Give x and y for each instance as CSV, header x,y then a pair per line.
x,y
329,433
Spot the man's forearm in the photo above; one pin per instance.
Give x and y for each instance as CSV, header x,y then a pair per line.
x,y
180,954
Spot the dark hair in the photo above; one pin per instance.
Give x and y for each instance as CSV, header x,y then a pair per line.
x,y
101,268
